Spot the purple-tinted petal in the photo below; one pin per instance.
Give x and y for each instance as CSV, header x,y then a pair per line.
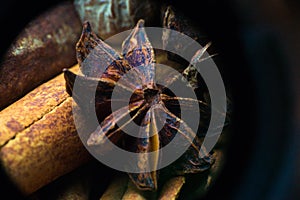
x,y
138,51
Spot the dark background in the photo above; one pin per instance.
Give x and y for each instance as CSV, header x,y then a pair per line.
x,y
259,44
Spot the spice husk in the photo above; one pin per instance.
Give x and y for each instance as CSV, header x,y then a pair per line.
x,y
113,16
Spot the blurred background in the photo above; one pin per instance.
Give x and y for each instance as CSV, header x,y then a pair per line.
x,y
259,44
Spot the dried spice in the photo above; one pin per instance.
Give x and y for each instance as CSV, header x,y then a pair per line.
x,y
175,20
113,16
41,51
121,188
172,188
38,138
136,51
116,188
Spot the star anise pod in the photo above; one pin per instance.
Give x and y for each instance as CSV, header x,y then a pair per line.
x,y
100,63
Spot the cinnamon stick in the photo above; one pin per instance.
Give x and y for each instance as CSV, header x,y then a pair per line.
x,y
38,138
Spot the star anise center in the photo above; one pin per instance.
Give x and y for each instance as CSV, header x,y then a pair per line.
x,y
151,96
137,53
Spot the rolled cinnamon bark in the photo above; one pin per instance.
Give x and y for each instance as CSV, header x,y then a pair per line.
x,y
40,52
38,138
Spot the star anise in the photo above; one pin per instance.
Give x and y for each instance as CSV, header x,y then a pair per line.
x,y
102,64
